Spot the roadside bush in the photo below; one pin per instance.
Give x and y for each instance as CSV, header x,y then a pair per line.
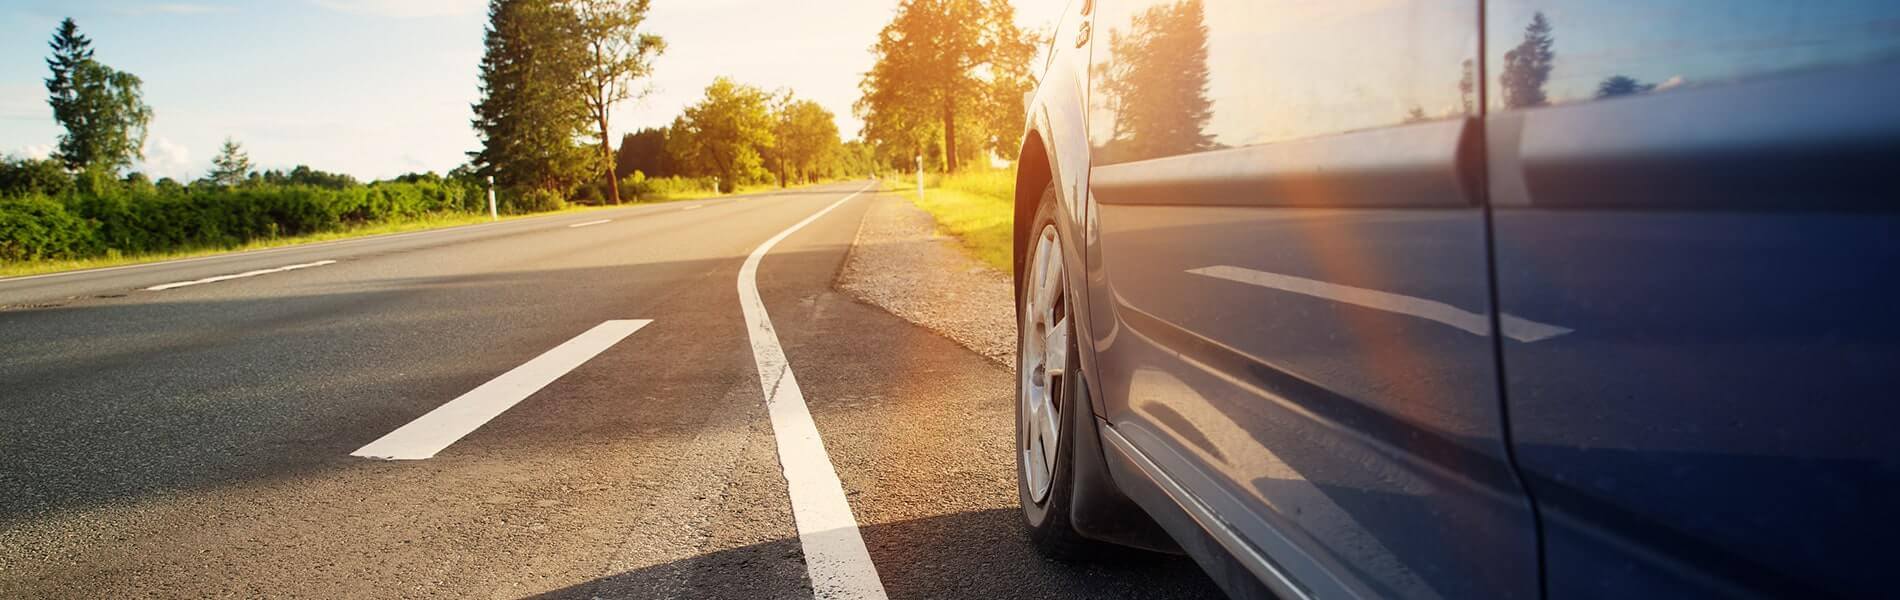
x,y
590,194
20,177
639,186
97,213
529,201
35,228
632,184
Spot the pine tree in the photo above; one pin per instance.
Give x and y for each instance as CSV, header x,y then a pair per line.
x,y
1157,86
1527,67
70,50
531,112
102,110
230,166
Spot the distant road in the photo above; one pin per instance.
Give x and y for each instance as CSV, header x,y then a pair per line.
x,y
577,400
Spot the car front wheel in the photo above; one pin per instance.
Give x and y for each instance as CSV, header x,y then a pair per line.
x,y
1048,391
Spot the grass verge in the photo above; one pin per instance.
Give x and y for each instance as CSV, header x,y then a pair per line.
x,y
975,208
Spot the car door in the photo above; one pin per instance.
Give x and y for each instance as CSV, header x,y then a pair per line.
x,y
1703,193
1290,304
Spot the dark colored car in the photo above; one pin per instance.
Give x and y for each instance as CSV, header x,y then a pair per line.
x,y
1468,299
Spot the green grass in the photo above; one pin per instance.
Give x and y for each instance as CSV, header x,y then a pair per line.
x,y
976,208
429,221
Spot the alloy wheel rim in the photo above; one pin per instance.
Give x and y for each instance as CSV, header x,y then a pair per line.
x,y
1044,358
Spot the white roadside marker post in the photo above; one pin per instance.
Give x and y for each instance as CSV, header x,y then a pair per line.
x,y
920,178
492,214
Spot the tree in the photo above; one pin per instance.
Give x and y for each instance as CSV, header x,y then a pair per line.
x,y
532,110
806,136
28,176
103,110
230,166
856,159
960,63
724,133
616,55
644,151
1622,85
1156,83
1527,66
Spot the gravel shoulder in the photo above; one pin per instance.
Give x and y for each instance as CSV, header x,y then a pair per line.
x,y
900,262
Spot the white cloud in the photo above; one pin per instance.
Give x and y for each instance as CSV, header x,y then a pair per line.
x,y
36,151
405,8
1671,82
165,158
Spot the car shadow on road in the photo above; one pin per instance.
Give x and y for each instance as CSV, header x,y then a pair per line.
x,y
976,554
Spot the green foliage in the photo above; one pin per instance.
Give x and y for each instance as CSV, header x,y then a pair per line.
x,y
532,108
34,227
230,166
27,176
103,110
723,134
806,137
615,55
532,200
642,188
952,69
304,175
103,214
644,151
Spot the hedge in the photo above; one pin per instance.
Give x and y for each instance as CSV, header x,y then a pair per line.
x,y
141,220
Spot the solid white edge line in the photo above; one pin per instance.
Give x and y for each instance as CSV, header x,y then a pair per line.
x,y
178,284
836,559
694,207
449,423
590,223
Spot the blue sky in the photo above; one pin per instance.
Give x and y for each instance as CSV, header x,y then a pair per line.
x,y
377,88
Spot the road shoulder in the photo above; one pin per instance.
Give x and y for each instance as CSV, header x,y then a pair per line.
x,y
899,262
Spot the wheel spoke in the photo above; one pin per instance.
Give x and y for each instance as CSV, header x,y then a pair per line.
x,y
1048,292
1055,349
1046,423
1039,273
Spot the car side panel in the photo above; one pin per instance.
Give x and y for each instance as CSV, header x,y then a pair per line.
x,y
1706,198
1289,295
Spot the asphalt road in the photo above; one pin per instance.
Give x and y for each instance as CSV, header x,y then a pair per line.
x,y
197,441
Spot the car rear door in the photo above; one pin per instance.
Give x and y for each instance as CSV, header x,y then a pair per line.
x,y
1703,192
1290,303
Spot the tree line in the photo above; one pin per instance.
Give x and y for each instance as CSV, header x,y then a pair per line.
x,y
947,85
85,201
551,73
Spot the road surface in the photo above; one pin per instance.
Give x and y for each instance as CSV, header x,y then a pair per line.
x,y
602,429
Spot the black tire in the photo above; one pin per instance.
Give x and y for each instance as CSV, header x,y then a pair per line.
x,y
1050,526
